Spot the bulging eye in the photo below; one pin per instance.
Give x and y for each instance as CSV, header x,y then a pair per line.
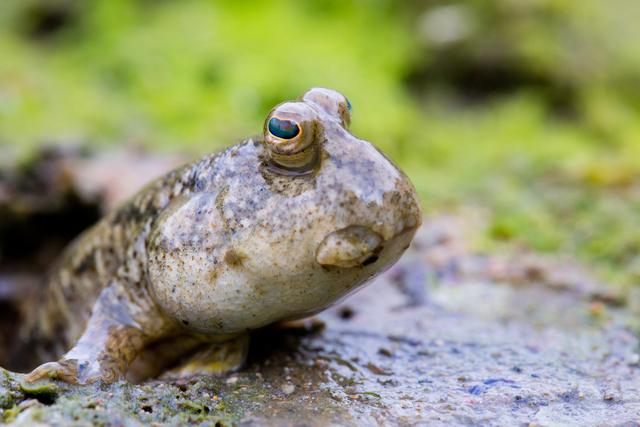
x,y
283,129
349,105
292,135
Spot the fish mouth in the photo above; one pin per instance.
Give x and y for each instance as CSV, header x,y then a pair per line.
x,y
349,247
353,246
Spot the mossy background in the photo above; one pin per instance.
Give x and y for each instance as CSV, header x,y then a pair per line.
x,y
525,111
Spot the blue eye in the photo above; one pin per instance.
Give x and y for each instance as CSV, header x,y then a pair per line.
x,y
284,129
348,104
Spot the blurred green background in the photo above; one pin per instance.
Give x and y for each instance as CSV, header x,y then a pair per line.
x,y
522,111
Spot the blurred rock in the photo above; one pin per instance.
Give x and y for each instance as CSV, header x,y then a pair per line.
x,y
445,25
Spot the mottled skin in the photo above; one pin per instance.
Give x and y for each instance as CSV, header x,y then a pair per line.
x,y
270,229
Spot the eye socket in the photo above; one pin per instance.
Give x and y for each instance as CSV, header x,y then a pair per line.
x,y
284,129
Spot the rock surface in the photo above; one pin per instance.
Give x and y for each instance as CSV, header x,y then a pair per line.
x,y
447,336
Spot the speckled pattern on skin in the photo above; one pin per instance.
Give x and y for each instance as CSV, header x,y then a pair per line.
x,y
268,230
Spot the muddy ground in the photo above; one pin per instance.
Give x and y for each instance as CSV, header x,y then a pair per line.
x,y
447,336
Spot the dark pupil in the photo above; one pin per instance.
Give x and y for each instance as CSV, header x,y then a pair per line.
x,y
285,129
348,105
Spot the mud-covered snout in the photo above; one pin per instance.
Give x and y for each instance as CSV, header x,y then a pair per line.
x,y
382,219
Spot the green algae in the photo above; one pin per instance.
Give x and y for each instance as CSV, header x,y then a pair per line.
x,y
43,391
